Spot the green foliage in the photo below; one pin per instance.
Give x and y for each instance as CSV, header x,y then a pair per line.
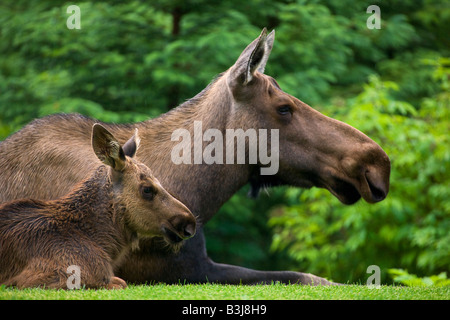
x,y
403,277
47,68
133,60
411,228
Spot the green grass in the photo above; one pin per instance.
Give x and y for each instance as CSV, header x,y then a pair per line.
x,y
233,292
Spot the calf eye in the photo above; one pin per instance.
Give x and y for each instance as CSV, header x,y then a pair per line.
x,y
148,192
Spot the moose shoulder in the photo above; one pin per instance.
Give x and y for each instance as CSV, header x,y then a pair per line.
x,y
314,151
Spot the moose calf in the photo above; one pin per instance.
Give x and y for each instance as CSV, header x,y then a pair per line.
x,y
92,227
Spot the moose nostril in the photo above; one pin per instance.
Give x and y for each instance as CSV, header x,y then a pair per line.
x,y
378,193
184,227
189,230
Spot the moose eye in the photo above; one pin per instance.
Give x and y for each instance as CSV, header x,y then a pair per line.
x,y
148,192
284,110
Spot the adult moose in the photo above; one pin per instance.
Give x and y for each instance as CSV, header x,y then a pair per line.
x,y
314,150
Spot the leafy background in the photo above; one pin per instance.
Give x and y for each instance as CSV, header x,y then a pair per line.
x,y
134,60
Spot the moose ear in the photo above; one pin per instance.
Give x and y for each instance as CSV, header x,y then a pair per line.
x,y
130,147
253,58
107,148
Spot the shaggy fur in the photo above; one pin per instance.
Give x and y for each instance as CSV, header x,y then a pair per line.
x,y
93,227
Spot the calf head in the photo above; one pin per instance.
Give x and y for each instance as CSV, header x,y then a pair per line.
x,y
147,208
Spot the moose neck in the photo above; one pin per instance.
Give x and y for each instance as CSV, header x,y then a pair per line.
x,y
92,205
92,196
210,185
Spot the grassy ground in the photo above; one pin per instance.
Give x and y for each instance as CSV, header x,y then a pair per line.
x,y
229,292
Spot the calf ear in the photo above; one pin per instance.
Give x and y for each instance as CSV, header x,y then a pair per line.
x,y
253,58
130,147
107,148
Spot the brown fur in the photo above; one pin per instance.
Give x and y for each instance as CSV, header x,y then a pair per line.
x,y
92,227
314,151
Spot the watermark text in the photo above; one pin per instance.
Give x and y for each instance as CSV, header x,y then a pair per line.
x,y
235,146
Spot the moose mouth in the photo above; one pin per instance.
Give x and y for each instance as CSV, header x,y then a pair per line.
x,y
344,191
171,237
348,193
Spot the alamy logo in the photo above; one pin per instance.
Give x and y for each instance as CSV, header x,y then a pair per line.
x,y
374,21
74,21
74,279
374,280
234,144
